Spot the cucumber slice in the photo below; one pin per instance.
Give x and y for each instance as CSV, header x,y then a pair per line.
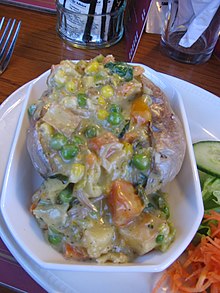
x,y
207,155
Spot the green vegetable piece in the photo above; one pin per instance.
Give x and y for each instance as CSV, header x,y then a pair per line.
x,y
204,229
115,108
166,211
32,109
141,180
115,118
207,155
90,131
202,177
159,238
211,193
122,69
124,129
69,151
65,195
60,177
162,205
57,141
141,161
82,100
55,239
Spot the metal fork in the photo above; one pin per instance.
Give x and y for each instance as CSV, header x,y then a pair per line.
x,y
7,41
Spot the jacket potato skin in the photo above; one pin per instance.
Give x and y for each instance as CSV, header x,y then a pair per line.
x,y
36,152
167,136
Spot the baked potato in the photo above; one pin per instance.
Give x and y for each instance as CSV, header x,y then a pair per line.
x,y
106,140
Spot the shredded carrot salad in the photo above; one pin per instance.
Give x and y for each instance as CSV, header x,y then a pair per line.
x,y
200,269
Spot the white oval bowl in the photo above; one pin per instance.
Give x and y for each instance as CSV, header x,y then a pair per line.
x,y
21,180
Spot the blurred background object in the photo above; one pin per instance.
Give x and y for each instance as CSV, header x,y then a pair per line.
x,y
156,16
191,30
91,24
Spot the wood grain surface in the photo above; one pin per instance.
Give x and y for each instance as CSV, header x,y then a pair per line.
x,y
39,46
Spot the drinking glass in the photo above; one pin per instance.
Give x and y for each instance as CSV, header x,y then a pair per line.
x,y
83,23
176,26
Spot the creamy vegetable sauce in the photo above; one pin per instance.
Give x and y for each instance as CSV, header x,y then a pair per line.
x,y
92,128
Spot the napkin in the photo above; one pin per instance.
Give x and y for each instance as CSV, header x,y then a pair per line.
x,y
201,13
198,13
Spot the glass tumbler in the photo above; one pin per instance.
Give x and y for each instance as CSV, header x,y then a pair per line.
x,y
177,24
83,23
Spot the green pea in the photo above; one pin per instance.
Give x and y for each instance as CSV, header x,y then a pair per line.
x,y
82,100
55,239
115,108
159,238
166,211
32,109
57,141
65,195
90,131
69,151
115,118
141,161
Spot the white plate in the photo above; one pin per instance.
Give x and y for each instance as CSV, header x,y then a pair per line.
x,y
22,180
200,105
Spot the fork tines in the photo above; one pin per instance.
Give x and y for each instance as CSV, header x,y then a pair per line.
x,y
8,35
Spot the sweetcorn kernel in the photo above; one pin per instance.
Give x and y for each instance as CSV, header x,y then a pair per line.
x,y
77,172
128,148
107,91
71,86
92,67
102,114
101,101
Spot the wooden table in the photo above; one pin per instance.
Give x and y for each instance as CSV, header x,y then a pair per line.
x,y
38,47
